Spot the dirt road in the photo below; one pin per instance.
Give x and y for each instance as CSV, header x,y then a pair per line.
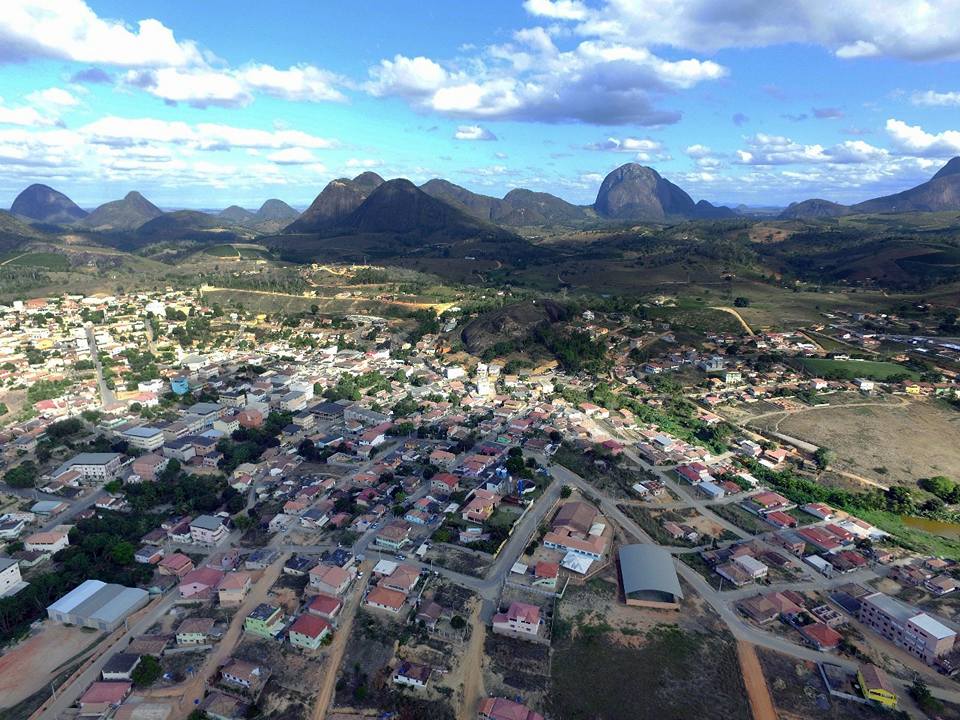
x,y
195,688
737,315
473,667
335,652
761,704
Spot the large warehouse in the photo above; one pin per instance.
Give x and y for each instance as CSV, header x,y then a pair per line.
x,y
649,577
95,604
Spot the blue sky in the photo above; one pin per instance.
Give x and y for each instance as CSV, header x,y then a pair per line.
x,y
212,103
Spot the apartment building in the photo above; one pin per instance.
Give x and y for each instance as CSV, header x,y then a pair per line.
x,y
918,633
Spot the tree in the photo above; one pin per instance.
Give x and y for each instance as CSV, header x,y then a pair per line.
x,y
457,622
741,302
943,487
242,522
147,671
899,500
122,553
924,698
565,491
22,476
824,456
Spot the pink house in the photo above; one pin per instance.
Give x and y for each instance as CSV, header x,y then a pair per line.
x,y
200,584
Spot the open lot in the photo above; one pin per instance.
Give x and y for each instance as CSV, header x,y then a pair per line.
x,y
617,662
799,693
665,673
31,665
364,674
891,444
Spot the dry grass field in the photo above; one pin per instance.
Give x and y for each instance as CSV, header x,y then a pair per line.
x,y
891,444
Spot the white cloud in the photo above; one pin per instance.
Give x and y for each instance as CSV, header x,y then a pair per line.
x,y
531,79
698,151
363,163
645,149
126,132
914,140
174,71
418,76
292,156
70,30
909,29
156,154
196,87
203,87
763,149
53,97
557,9
26,116
473,132
300,82
936,99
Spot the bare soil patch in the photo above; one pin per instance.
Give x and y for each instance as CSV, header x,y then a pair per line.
x,y
33,663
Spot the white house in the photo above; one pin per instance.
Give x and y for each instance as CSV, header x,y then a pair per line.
x,y
208,530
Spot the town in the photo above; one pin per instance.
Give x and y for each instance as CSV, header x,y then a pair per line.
x,y
211,511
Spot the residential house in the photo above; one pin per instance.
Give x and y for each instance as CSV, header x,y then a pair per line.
x,y
545,575
445,483
247,676
265,620
104,694
325,606
876,686
208,530
497,708
481,506
330,579
51,541
149,466
412,674
120,667
200,584
381,598
393,536
195,631
176,564
521,620
233,588
821,636
308,631
10,581
403,579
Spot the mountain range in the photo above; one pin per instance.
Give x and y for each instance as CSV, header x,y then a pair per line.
x,y
940,193
438,208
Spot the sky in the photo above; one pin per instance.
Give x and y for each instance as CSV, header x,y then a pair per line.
x,y
213,103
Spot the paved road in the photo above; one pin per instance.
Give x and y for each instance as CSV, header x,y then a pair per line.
x,y
77,507
107,398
